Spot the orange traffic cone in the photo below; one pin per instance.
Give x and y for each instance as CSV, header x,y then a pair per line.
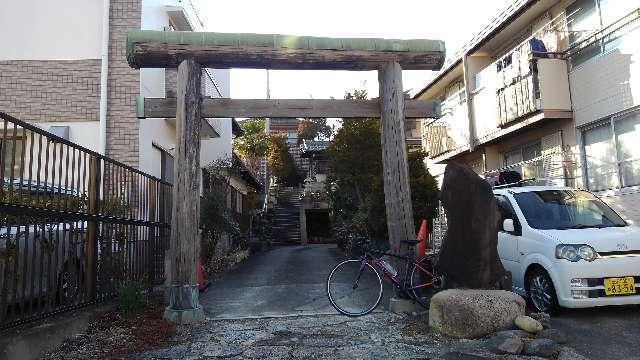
x,y
421,249
201,280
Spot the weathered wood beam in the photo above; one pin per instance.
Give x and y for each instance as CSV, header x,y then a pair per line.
x,y
185,218
235,108
160,55
397,194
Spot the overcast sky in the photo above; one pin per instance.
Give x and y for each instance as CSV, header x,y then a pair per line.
x,y
454,21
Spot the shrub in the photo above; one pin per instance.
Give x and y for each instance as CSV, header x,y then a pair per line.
x,y
131,296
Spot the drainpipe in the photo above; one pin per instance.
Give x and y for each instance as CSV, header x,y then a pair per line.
x,y
104,77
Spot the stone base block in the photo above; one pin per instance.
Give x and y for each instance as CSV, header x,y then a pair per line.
x,y
474,313
404,306
186,316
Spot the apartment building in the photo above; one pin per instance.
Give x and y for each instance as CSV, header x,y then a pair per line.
x,y
547,90
63,68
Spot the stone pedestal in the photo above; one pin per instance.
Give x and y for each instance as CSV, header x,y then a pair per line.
x,y
184,306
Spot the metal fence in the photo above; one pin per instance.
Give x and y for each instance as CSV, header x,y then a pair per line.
x,y
75,224
438,230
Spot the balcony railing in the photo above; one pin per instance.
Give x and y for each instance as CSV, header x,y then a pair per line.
x,y
447,134
517,94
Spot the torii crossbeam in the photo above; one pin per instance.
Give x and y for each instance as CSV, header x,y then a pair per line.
x,y
190,51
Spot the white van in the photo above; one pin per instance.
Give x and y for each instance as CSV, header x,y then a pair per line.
x,y
566,248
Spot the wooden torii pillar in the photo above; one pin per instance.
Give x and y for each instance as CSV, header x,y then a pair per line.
x,y
184,306
397,194
189,51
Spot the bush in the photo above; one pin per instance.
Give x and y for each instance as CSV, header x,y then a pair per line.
x,y
131,296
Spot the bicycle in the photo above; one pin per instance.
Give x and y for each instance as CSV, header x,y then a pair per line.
x,y
354,286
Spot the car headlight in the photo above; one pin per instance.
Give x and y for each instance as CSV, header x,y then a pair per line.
x,y
576,252
586,252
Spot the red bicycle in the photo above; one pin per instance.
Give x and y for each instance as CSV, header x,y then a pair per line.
x,y
354,287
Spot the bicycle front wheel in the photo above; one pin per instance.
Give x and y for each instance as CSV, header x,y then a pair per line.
x,y
354,288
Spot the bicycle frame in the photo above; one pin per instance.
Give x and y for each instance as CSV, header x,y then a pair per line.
x,y
400,282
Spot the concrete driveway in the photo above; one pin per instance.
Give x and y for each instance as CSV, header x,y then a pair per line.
x,y
288,281
602,333
284,281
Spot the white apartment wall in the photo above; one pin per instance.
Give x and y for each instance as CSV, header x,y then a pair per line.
x,y
83,133
217,148
152,84
160,132
608,83
50,30
603,86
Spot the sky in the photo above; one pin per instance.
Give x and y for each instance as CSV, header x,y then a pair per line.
x,y
453,21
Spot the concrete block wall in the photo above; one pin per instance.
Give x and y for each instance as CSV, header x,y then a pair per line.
x,y
50,90
124,84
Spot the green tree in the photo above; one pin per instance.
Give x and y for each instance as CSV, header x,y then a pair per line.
x,y
356,185
280,161
253,144
314,128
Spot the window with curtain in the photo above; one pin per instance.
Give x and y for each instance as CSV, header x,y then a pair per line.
x,y
600,158
627,133
587,17
582,21
613,159
166,167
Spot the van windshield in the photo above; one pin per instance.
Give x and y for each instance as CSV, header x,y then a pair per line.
x,y
566,209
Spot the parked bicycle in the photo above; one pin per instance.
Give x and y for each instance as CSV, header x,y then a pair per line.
x,y
354,287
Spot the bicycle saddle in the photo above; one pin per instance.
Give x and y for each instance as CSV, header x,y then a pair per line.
x,y
410,242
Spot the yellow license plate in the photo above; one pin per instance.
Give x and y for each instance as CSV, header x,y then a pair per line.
x,y
619,286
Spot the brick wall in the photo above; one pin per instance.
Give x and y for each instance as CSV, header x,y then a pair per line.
x,y
124,84
50,90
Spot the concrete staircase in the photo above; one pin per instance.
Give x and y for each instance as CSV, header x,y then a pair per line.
x,y
286,217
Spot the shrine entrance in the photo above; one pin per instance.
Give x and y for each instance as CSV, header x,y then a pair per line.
x,y
191,51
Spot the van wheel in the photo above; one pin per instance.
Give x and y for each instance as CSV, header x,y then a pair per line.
x,y
541,294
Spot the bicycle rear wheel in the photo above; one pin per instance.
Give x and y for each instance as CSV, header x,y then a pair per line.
x,y
425,281
354,288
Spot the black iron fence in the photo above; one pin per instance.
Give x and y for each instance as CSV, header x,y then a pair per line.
x,y
74,224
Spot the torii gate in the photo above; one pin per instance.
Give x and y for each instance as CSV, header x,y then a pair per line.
x,y
190,51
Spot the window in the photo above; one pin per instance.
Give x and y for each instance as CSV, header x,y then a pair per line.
x,y
582,21
507,212
166,165
587,17
523,154
627,131
613,159
600,158
566,209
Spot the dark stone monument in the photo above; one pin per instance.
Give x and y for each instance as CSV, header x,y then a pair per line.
x,y
469,253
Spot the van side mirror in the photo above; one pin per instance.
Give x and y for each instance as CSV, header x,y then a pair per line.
x,y
507,225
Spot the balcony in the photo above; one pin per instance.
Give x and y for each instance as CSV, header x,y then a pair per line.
x,y
449,135
510,97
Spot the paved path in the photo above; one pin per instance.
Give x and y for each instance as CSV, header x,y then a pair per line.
x,y
283,281
602,333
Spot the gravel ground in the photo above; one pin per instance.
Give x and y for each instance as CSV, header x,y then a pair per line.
x,y
375,336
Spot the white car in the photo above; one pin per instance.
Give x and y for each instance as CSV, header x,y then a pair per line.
x,y
566,248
